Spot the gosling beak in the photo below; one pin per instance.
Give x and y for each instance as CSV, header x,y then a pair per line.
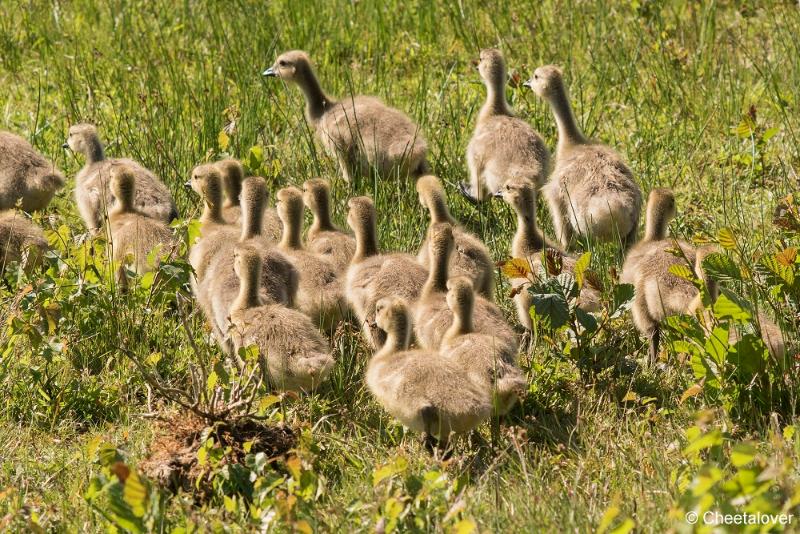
x,y
65,145
528,84
188,186
269,73
497,194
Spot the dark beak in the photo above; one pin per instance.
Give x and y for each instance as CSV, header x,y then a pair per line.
x,y
188,186
528,84
498,194
269,73
65,145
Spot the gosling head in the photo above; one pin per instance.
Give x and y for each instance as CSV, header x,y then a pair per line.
x,y
429,188
123,187
440,240
289,203
547,82
254,192
392,316
316,193
519,194
660,211
292,66
206,181
361,213
246,260
492,67
460,294
232,175
82,138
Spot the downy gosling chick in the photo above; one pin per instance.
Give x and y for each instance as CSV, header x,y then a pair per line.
x,y
323,237
502,146
21,241
471,257
425,391
591,191
530,244
232,174
27,179
479,353
290,346
361,132
136,239
320,293
373,276
92,192
432,316
657,292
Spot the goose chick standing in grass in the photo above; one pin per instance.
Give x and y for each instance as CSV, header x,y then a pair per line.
x,y
770,332
471,258
530,244
502,146
324,238
425,391
279,278
27,179
479,353
20,241
320,293
232,174
289,345
373,276
591,191
92,191
133,234
360,131
657,292
432,316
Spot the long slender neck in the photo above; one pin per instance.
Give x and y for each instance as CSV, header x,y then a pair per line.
x,y
396,341
438,209
232,191
495,103
212,212
317,102
252,221
437,275
291,230
655,226
366,241
248,291
527,238
462,320
94,150
322,216
569,133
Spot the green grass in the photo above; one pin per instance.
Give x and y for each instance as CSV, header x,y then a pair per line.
x,y
665,83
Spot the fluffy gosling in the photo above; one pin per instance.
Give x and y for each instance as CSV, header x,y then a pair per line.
x,y
21,241
27,179
323,237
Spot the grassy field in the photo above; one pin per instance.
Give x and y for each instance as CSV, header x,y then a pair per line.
x,y
702,98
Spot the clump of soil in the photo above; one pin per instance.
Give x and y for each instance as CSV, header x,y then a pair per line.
x,y
172,461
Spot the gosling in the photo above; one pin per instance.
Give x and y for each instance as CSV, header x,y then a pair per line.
x,y
481,354
136,239
373,276
291,348
27,179
232,174
530,244
657,292
591,191
502,146
425,391
21,241
433,317
92,192
472,258
323,237
320,294
361,132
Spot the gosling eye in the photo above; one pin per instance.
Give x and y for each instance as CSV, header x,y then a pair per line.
x,y
282,63
535,76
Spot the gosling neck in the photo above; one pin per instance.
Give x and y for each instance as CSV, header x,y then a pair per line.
x,y
252,221
248,290
655,225
495,103
366,241
292,224
94,150
322,216
569,133
527,239
437,275
438,209
317,102
462,320
396,340
212,212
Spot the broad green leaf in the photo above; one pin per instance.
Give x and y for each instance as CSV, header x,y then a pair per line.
x,y
625,527
586,320
552,309
726,238
622,298
769,133
516,268
609,515
135,494
704,441
681,271
223,141
581,264
729,306
742,454
721,267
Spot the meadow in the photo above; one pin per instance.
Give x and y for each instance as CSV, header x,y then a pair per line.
x,y
700,97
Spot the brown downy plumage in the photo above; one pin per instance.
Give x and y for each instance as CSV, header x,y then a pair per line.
x,y
591,191
503,146
279,278
324,237
432,315
232,174
27,179
92,191
658,292
471,258
373,276
530,244
320,293
290,346
360,131
425,391
479,353
21,241
137,240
